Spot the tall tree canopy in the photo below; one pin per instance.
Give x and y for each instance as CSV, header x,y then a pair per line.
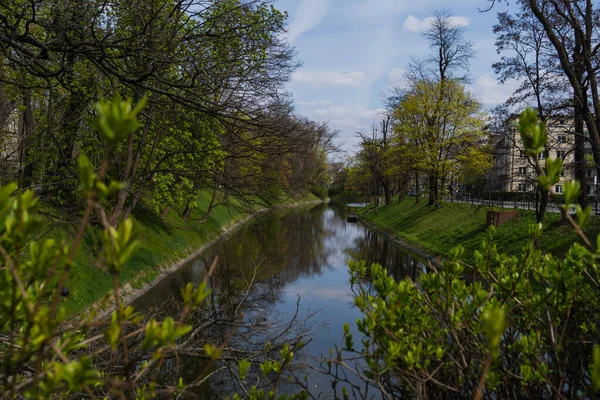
x,y
213,72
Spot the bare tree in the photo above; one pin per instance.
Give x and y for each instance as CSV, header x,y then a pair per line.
x,y
573,29
451,53
530,60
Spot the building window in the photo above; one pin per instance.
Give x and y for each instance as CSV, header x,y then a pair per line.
x,y
544,155
522,170
558,188
589,173
521,154
521,187
562,121
588,190
561,154
562,139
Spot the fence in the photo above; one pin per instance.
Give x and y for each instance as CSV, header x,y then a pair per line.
x,y
523,203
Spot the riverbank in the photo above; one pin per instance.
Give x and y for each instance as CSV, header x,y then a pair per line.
x,y
165,246
437,231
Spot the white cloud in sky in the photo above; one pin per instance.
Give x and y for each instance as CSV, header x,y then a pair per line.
x,y
351,118
396,73
491,93
309,14
414,24
313,103
329,78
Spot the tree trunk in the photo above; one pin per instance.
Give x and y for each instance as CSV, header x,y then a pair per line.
x,y
128,176
210,206
418,188
25,159
580,162
433,190
187,211
164,212
387,192
543,205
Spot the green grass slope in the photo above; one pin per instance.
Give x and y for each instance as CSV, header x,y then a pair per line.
x,y
439,230
163,242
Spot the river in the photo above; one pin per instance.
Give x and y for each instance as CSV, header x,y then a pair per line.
x,y
296,261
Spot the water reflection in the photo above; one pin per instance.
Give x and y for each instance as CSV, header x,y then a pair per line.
x,y
300,254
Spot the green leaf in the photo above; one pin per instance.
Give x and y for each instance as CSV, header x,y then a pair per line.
x,y
572,191
243,367
213,352
86,174
493,325
115,120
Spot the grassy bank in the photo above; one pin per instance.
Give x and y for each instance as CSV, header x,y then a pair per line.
x,y
163,242
437,231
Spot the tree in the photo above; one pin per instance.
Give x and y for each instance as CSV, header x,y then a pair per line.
x,y
451,53
213,72
445,69
543,85
374,159
573,30
444,122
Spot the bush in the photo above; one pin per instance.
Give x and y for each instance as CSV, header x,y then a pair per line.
x,y
335,189
318,191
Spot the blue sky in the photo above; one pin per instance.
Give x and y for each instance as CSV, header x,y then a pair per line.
x,y
352,50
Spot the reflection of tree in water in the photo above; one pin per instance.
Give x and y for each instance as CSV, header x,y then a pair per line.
x,y
376,248
267,255
255,264
274,251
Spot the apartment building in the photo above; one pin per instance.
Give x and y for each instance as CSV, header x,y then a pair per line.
x,y
514,172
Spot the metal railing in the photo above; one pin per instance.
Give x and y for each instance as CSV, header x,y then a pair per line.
x,y
522,204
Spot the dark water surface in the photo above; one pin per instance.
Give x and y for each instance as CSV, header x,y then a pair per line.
x,y
297,261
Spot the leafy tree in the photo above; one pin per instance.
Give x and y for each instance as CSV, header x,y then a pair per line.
x,y
213,72
445,124
373,158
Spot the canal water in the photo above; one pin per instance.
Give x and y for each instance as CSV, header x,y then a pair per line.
x,y
296,264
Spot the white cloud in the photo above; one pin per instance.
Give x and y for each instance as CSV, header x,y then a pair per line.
x,y
491,93
329,78
309,14
396,73
350,118
313,103
414,24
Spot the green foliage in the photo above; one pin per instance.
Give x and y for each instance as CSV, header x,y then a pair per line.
x,y
533,134
318,191
441,326
439,131
115,120
41,356
335,190
502,325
